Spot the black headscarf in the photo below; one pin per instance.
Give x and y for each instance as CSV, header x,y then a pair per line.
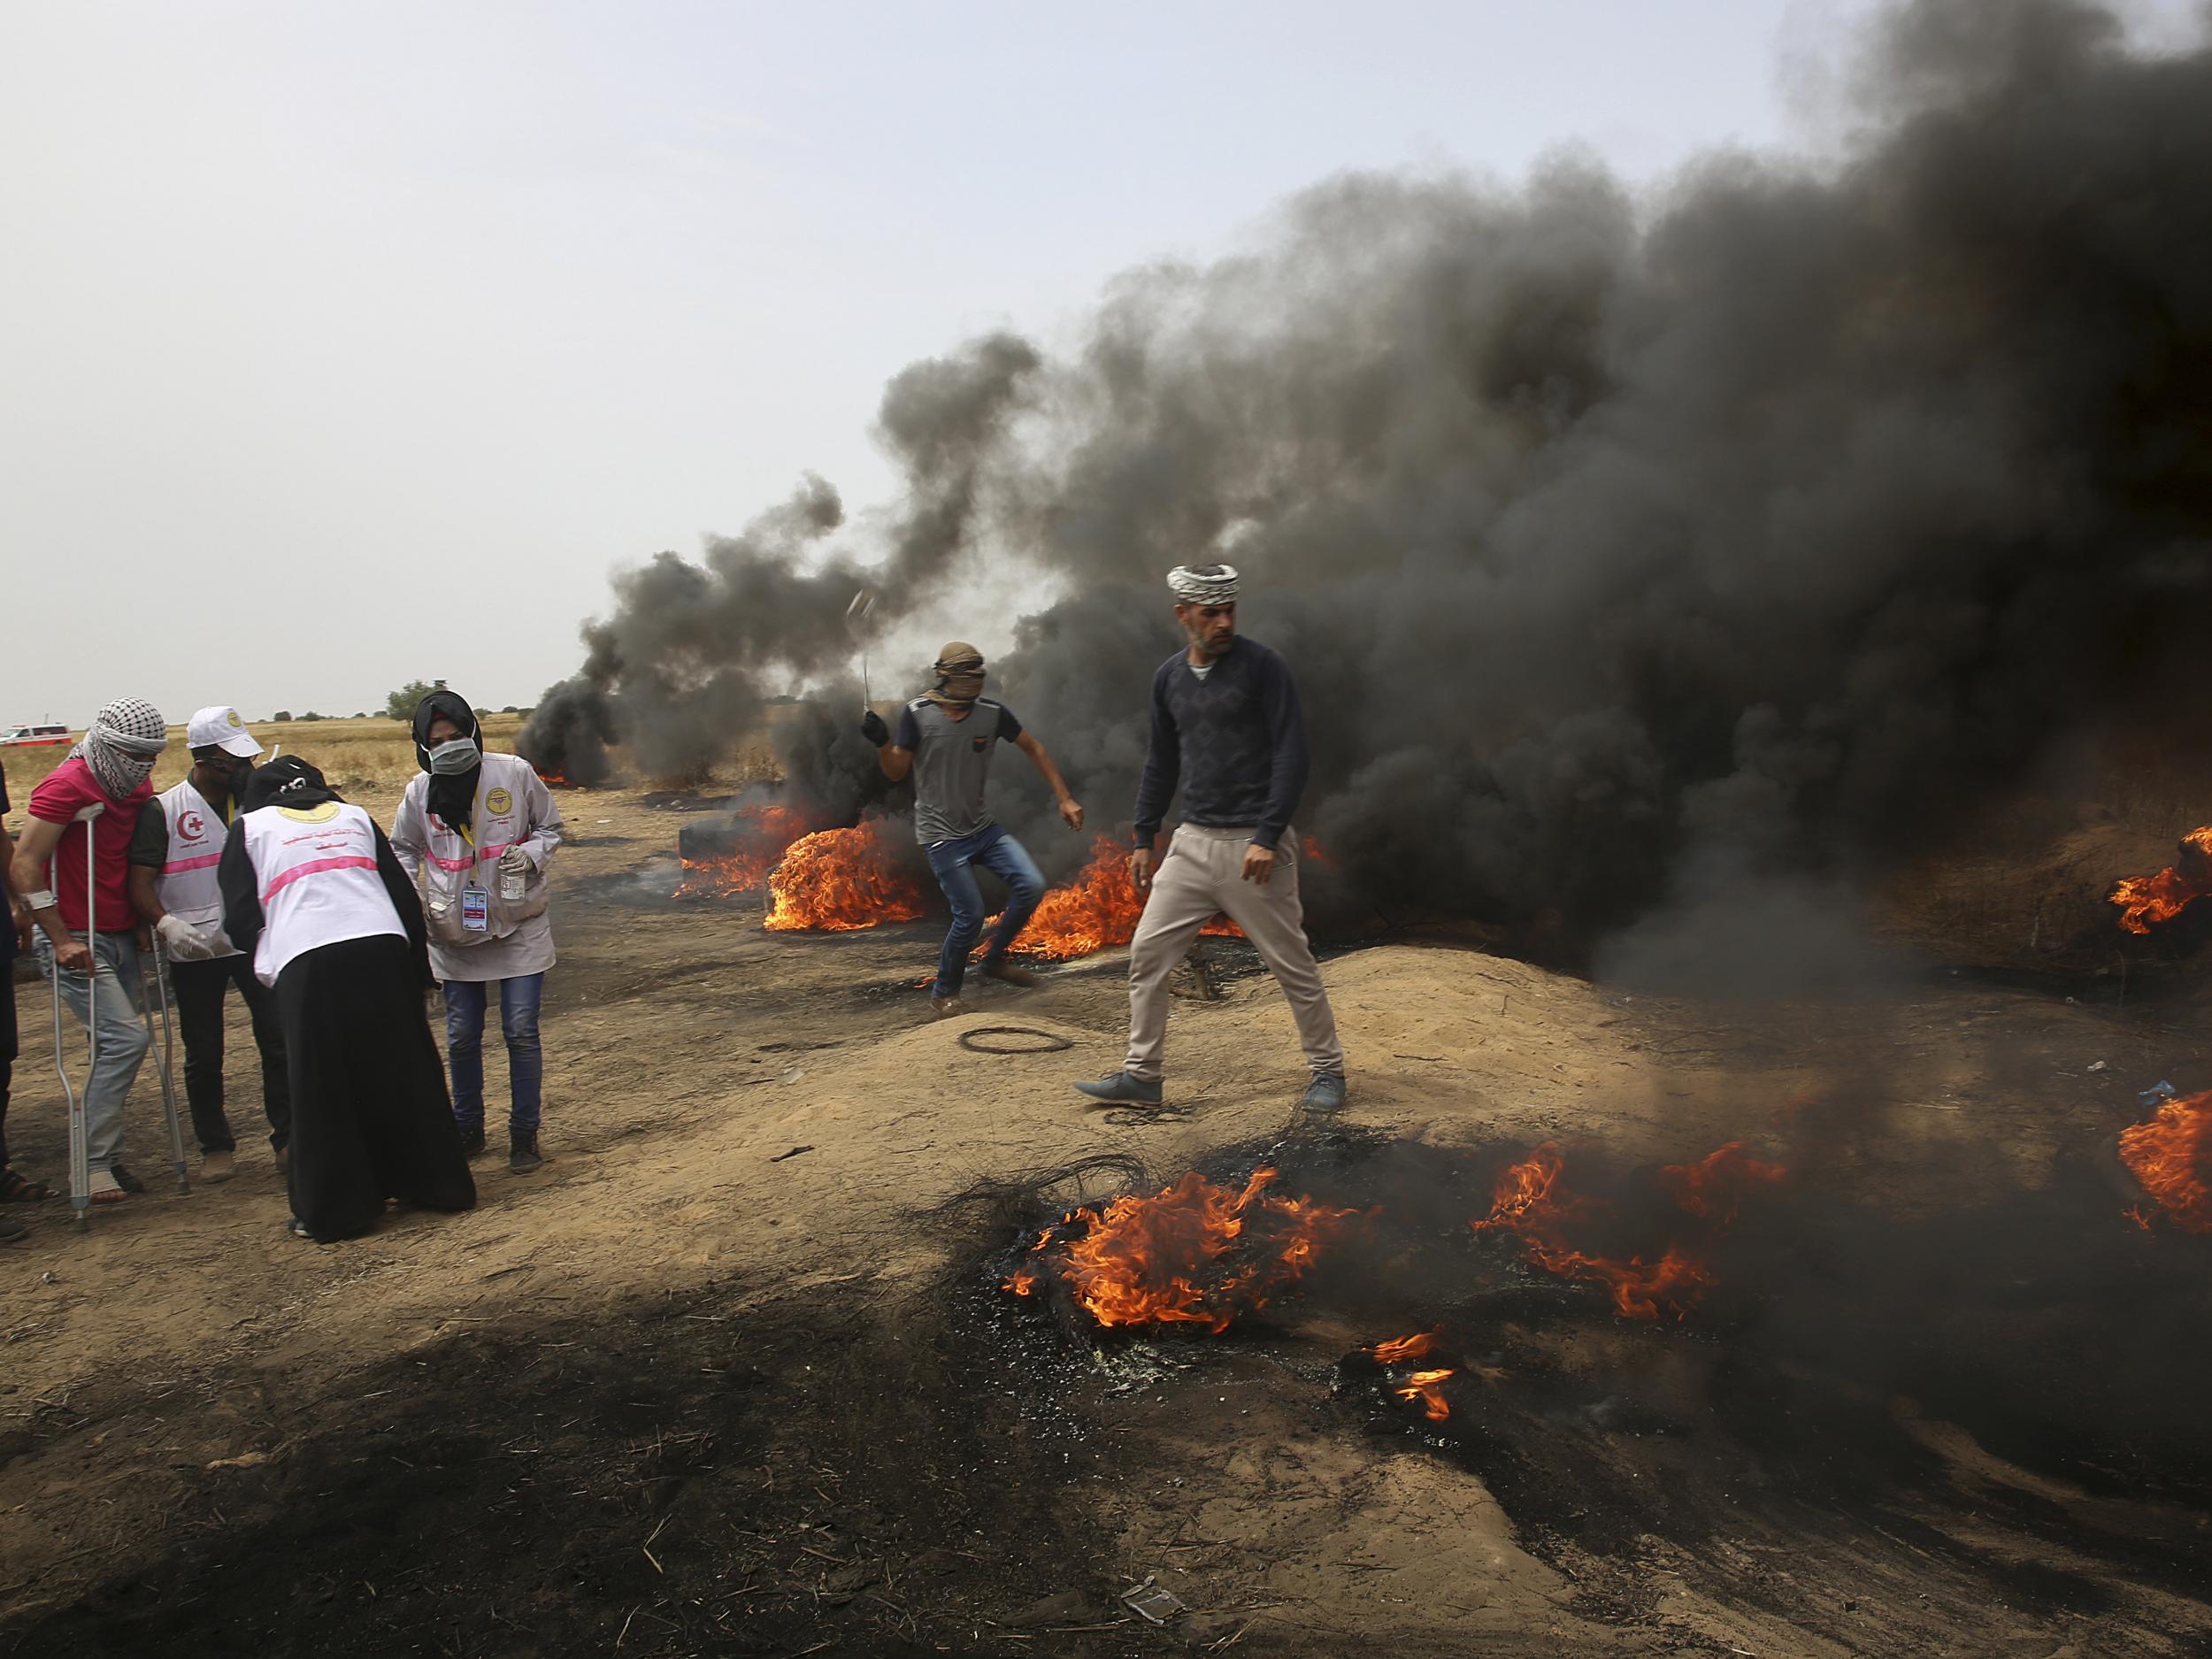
x,y
287,780
452,797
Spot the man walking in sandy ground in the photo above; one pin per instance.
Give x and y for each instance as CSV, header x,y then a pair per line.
x,y
1225,725
946,738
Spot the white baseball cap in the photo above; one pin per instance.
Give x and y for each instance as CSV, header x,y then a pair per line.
x,y
223,728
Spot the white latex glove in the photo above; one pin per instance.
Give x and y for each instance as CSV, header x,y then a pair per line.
x,y
185,943
515,861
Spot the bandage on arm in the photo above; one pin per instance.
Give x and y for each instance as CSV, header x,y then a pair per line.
x,y
40,841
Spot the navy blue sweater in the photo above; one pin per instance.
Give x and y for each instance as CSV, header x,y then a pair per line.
x,y
1234,739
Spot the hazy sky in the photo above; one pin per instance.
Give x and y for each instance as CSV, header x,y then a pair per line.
x,y
354,344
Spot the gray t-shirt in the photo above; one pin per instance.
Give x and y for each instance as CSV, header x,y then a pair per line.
x,y
952,761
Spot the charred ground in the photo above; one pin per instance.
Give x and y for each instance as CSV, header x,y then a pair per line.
x,y
726,1472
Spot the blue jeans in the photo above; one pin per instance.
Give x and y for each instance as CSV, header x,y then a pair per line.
x,y
519,1001
954,862
121,1040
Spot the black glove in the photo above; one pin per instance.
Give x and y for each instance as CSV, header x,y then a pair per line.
x,y
874,729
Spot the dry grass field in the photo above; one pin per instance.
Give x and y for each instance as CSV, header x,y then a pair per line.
x,y
368,752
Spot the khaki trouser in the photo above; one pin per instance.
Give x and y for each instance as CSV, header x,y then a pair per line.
x,y
1201,874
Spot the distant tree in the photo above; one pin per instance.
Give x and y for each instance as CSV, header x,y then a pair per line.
x,y
510,709
401,704
283,716
311,715
358,715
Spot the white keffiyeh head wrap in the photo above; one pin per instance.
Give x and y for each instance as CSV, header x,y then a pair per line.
x,y
121,743
1203,584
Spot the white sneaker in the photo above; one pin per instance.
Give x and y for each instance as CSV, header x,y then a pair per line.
x,y
103,1189
217,1166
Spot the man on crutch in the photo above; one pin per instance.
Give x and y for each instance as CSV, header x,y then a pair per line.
x,y
92,958
14,1188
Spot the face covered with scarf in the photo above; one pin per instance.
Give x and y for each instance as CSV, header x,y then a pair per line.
x,y
453,759
120,745
959,671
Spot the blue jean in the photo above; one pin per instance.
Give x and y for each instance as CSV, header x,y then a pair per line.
x,y
954,862
519,1001
120,1041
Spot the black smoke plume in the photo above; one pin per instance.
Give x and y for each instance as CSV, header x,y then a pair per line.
x,y
681,668
1624,550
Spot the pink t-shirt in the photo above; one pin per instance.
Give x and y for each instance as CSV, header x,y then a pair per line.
x,y
65,791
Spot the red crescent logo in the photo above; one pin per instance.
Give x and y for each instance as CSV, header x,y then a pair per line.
x,y
192,825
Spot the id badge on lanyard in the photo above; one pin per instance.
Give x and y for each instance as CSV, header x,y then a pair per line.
x,y
476,903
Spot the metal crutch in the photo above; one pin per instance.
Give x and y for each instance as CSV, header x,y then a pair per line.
x,y
168,1084
79,1151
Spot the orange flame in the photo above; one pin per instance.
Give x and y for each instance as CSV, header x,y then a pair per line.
x,y
1099,908
1166,1259
1533,1203
1640,1289
1529,1195
1421,1386
1714,1188
2171,1155
2147,900
768,831
1401,1348
839,881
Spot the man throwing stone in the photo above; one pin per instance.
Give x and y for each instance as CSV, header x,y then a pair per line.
x,y
1225,725
946,738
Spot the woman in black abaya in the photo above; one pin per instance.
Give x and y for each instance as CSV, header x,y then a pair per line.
x,y
345,948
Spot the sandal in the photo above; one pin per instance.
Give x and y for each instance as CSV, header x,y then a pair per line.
x,y
20,1189
299,1229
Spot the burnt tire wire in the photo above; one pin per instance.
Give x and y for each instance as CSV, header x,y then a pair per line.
x,y
1052,1043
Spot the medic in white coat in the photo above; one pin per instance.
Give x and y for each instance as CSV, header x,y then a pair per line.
x,y
476,831
174,884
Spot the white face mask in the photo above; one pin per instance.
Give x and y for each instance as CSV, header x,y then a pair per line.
x,y
450,759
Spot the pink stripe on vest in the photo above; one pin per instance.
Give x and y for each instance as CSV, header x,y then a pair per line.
x,y
484,856
177,865
313,866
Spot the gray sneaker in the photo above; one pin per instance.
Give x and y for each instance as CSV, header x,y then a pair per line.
x,y
1123,1090
1325,1094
